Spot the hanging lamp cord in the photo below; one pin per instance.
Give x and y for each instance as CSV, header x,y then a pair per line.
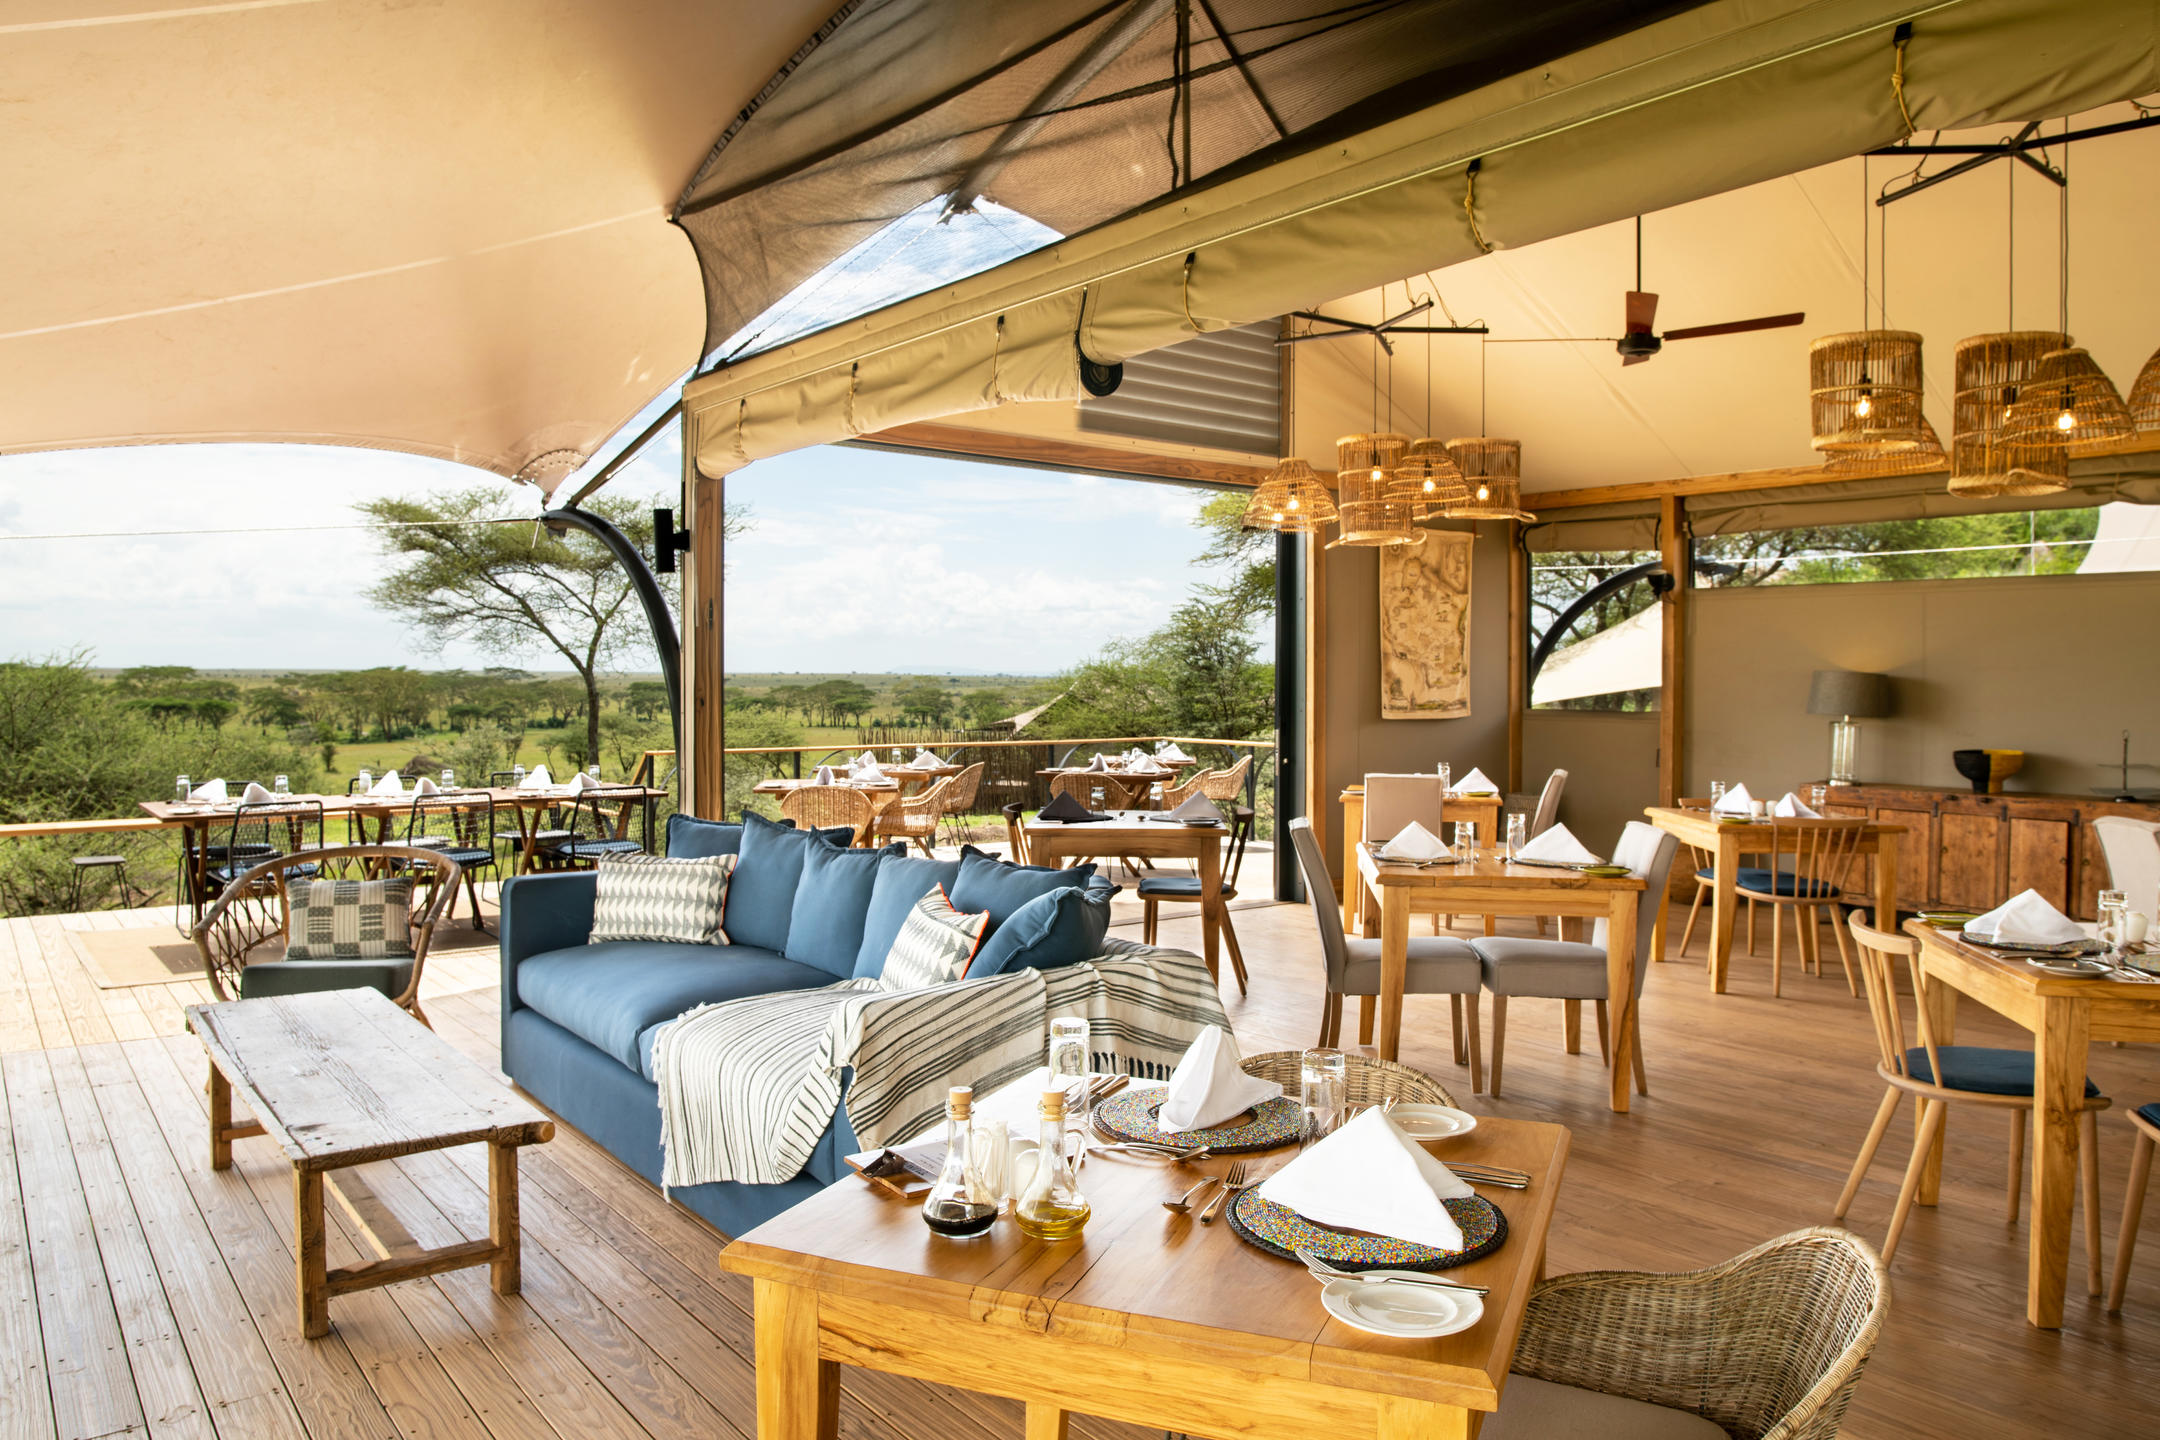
x,y
1469,204
1897,78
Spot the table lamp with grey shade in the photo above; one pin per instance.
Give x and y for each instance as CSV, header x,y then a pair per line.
x,y
1849,695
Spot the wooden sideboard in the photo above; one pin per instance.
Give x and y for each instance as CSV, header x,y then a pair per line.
x,y
1976,851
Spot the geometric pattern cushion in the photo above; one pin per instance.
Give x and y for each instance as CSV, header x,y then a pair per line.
x,y
935,945
350,919
661,897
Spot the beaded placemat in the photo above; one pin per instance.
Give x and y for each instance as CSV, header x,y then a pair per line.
x,y
1133,1117
1279,1230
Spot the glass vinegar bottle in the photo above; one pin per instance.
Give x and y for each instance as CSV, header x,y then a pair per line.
x,y
1052,1207
958,1206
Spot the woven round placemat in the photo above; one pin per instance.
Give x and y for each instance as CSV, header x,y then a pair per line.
x,y
1133,1117
1279,1230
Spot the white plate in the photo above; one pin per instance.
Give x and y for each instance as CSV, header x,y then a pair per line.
x,y
1408,1311
1432,1122
1380,853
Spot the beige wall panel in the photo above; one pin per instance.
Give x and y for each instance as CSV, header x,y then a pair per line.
x,y
1611,762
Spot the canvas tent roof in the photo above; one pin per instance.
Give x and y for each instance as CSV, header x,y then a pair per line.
x,y
434,228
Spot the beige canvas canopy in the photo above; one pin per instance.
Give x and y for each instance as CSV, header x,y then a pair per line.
x,y
1699,103
434,228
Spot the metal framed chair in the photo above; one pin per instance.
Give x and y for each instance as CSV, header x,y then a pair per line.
x,y
826,807
547,821
252,912
1156,888
595,831
1438,965
461,827
1810,864
915,817
1082,785
265,831
1941,1075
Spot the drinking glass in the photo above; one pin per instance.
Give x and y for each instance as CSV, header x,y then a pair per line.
x,y
1818,796
449,778
1095,797
181,787
517,774
282,785
366,779
1717,792
1069,1068
1518,833
1465,842
1446,777
896,754
1321,1077
2114,905
593,770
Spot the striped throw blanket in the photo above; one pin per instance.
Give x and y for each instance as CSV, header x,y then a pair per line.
x,y
748,1086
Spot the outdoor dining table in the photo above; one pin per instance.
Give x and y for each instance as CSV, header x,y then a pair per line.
x,y
1148,1317
1481,810
1143,835
1726,842
197,819
2065,1016
1493,885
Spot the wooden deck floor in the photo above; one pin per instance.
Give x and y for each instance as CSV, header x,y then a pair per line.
x,y
141,1292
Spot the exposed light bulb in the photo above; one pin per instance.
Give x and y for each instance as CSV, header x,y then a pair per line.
x,y
1429,485
1484,492
2066,422
1864,407
2009,400
1292,502
1278,517
1376,474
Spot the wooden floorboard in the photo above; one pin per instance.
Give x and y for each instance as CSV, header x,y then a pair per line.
x,y
142,1292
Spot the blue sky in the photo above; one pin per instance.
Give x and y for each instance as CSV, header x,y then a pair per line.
x,y
858,560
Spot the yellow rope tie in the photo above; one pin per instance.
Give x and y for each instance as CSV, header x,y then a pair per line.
x,y
1897,87
847,411
742,422
1185,292
997,352
1469,206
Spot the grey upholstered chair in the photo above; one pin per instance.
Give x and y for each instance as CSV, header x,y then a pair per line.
x,y
1567,970
1438,965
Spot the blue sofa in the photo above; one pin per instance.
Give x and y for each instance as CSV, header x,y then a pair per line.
x,y
578,1019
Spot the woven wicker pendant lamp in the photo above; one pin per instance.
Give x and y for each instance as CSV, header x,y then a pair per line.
x,y
1926,457
1492,476
1293,501
1865,391
1369,503
2145,396
1992,372
1428,478
2069,401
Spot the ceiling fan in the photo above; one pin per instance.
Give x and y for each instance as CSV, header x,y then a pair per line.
x,y
1640,339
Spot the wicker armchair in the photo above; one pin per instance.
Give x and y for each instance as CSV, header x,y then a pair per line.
x,y
960,801
1366,1080
825,807
1228,784
915,818
1768,1345
1176,795
252,913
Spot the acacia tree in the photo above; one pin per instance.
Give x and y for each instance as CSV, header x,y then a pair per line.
x,y
468,569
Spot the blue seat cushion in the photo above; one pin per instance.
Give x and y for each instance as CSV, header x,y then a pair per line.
x,y
761,894
1000,887
611,993
307,977
1981,1068
1059,927
2149,1113
1751,875
901,882
1169,887
832,900
1783,883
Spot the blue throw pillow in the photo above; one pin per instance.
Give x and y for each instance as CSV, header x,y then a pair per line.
x,y
1062,927
1000,887
901,882
761,896
825,924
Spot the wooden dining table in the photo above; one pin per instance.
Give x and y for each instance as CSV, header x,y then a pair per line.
x,y
1726,842
1494,885
2065,1016
1148,1317
1480,810
1133,833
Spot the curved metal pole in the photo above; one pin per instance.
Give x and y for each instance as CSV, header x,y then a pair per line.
x,y
1574,612
657,614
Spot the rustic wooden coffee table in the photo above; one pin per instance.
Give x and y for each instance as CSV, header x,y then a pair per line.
x,y
344,1077
1149,1317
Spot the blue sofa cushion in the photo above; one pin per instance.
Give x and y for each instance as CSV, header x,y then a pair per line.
x,y
825,926
900,883
1059,927
1000,887
689,838
761,897
609,994
1981,1068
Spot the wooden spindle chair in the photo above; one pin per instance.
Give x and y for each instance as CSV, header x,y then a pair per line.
x,y
1821,853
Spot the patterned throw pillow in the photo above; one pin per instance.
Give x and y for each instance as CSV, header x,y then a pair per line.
x,y
935,945
350,919
660,897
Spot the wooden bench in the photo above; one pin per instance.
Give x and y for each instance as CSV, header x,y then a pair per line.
x,y
344,1077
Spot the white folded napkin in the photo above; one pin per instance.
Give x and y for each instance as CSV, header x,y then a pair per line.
x,y
581,782
1170,754
1370,1176
425,786
390,784
1557,845
1415,842
1145,765
1793,807
868,774
256,795
1736,801
537,778
926,759
2026,919
1472,782
1199,807
1207,1087
1097,765
868,759
824,775
211,790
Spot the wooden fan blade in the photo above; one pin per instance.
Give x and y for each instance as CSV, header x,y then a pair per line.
x,y
1641,312
1738,327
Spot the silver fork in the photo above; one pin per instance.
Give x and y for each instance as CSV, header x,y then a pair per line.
x,y
1232,1184
1326,1271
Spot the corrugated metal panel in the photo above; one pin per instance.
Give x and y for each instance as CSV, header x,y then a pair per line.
x,y
1221,390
